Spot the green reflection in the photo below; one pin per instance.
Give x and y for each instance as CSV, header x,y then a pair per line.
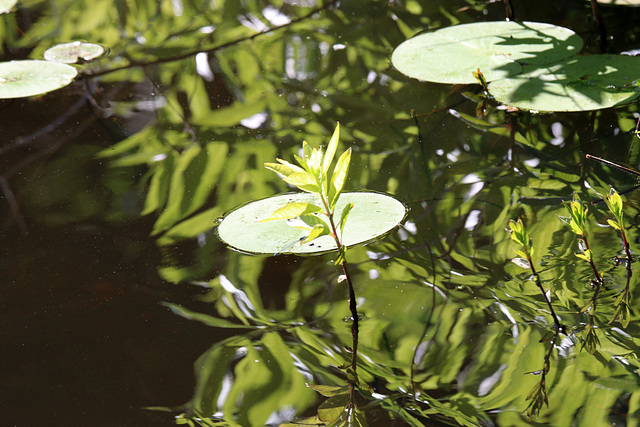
x,y
451,327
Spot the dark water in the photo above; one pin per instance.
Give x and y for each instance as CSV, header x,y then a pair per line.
x,y
94,253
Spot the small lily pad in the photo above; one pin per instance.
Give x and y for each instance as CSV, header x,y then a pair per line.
x,y
582,83
498,49
7,5
19,79
373,215
70,53
620,2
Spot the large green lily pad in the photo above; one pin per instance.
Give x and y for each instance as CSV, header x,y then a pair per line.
x,y
582,83
19,79
373,215
498,49
70,53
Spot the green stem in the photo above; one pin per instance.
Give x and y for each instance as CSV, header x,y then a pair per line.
x,y
559,327
352,295
598,282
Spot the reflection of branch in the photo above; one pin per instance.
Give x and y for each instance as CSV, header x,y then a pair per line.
x,y
602,32
26,140
144,63
13,204
16,168
427,323
538,395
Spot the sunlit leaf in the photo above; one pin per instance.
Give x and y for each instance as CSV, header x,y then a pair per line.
x,y
317,231
333,408
613,224
338,177
304,181
203,318
329,391
344,216
331,150
292,210
284,168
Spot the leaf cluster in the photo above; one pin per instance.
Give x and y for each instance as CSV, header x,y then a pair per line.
x,y
313,176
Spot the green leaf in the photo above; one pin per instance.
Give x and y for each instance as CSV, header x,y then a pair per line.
x,y
613,224
203,318
284,168
344,216
315,161
317,231
331,150
304,181
614,201
311,221
292,210
339,177
585,256
331,409
329,390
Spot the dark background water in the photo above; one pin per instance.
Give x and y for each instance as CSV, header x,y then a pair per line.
x,y
84,338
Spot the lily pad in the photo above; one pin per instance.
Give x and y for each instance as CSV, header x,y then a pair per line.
x,y
582,83
373,215
498,49
19,79
70,53
7,5
620,2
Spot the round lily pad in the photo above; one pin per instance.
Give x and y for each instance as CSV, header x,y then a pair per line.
x,y
70,53
19,79
373,215
498,49
7,5
582,83
620,2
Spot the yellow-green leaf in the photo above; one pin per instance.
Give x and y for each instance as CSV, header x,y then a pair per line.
x,y
304,181
315,161
291,210
283,168
344,216
331,150
317,231
339,177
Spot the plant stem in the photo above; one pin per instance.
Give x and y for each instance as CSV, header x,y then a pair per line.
x,y
559,327
598,282
352,296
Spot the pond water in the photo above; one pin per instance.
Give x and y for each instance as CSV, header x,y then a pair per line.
x,y
120,306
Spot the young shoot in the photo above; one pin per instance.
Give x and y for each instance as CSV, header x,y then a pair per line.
x,y
312,175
